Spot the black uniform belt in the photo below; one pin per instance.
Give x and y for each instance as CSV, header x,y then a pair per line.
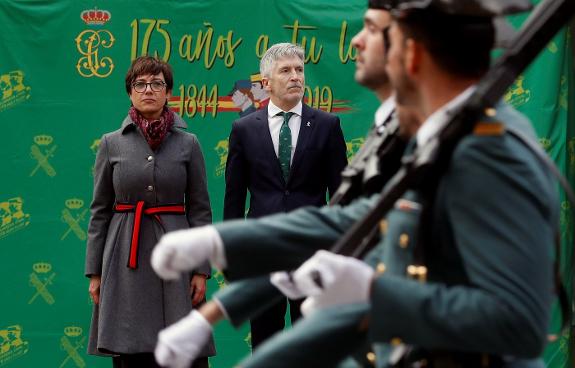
x,y
139,210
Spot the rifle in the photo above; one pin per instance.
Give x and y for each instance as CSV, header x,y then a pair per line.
x,y
373,165
545,21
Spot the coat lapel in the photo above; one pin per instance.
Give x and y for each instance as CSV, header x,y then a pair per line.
x,y
305,131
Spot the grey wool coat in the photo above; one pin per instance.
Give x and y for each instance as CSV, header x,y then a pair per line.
x,y
135,304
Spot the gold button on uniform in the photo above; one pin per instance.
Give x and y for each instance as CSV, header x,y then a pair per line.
x,y
396,341
383,227
490,111
371,357
380,268
417,272
403,240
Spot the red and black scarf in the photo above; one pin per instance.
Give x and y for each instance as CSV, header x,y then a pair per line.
x,y
154,131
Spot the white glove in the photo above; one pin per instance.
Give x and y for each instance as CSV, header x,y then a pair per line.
x,y
344,280
179,344
185,250
284,282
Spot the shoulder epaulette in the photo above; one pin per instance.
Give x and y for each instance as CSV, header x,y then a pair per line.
x,y
489,128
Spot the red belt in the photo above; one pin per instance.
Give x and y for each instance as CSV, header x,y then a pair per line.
x,y
139,210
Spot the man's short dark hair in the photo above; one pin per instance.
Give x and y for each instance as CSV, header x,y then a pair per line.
x,y
460,45
149,65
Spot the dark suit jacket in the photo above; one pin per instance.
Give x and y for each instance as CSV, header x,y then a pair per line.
x,y
252,165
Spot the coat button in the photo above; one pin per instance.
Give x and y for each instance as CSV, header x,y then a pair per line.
x,y
150,188
371,357
380,268
150,158
403,240
417,272
383,227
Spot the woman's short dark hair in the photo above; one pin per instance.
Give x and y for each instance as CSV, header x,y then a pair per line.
x,y
145,65
459,44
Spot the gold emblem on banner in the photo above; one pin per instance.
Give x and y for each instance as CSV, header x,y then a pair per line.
x,y
552,47
222,151
94,148
12,216
41,151
353,146
13,89
95,145
220,279
517,94
40,279
248,340
566,220
563,93
12,345
73,215
72,343
571,149
89,44
545,143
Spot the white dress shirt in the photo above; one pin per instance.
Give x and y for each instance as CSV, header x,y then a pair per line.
x,y
275,123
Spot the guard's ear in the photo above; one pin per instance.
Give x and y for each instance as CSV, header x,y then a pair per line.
x,y
413,56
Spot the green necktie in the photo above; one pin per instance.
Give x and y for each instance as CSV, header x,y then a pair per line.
x,y
284,146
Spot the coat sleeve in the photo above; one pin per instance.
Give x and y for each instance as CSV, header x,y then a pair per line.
x,y
337,159
198,209
101,210
501,219
236,177
284,241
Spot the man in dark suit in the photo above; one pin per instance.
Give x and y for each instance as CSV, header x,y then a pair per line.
x,y
287,156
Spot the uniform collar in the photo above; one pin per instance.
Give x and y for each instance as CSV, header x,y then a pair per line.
x,y
178,123
436,121
384,111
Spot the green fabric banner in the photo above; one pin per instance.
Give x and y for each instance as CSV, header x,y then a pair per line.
x,y
62,68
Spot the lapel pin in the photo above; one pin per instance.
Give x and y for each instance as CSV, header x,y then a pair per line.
x,y
308,124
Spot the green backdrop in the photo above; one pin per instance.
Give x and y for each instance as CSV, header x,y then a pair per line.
x,y
62,66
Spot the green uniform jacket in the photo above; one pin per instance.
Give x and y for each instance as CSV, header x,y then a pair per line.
x,y
489,284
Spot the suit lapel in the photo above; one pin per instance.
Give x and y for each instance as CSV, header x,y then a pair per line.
x,y
265,139
305,131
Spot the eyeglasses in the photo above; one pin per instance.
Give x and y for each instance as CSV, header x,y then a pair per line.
x,y
156,86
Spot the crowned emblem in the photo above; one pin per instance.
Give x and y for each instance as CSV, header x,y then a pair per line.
x,y
95,17
72,343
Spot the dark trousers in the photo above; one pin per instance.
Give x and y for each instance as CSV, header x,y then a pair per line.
x,y
147,360
272,320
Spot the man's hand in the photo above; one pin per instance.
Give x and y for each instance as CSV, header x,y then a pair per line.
x,y
329,279
179,344
198,288
183,250
94,288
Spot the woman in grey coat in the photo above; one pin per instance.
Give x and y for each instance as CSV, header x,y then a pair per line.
x,y
149,178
